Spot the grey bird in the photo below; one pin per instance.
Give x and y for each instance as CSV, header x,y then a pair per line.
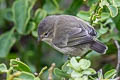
x,y
69,35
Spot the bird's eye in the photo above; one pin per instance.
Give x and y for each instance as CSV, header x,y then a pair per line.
x,y
46,34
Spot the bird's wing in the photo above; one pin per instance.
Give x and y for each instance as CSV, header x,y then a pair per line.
x,y
89,28
70,33
60,36
79,37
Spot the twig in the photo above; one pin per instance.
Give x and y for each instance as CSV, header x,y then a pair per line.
x,y
118,56
16,74
50,71
43,69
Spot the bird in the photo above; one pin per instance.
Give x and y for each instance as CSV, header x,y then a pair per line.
x,y
70,35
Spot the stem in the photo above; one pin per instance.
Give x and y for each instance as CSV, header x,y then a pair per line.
x,y
118,56
43,69
51,71
8,73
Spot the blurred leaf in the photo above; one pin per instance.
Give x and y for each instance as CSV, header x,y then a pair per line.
x,y
2,20
84,15
3,4
12,56
108,67
51,6
60,73
102,30
39,15
110,73
111,24
3,68
8,14
117,20
37,78
113,10
30,27
19,66
91,2
74,7
25,76
92,55
7,40
103,3
21,14
35,33
110,36
116,3
104,16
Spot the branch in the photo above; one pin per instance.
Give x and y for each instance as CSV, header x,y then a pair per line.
x,y
118,56
50,71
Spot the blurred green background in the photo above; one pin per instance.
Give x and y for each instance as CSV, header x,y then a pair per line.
x,y
19,21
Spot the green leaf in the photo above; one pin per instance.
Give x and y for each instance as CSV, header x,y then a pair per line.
x,y
3,68
113,10
89,71
39,15
102,30
2,21
103,3
65,68
115,2
37,78
21,14
30,27
74,64
84,15
8,14
117,20
19,66
104,16
91,2
7,40
76,74
84,64
25,76
35,34
60,73
74,7
51,6
109,74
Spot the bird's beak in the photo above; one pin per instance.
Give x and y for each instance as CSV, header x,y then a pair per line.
x,y
40,38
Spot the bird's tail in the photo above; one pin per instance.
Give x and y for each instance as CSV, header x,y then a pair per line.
x,y
98,47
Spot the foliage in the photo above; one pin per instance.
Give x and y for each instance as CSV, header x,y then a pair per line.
x,y
78,69
73,69
17,71
19,20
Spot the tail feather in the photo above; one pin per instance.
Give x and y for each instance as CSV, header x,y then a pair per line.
x,y
98,47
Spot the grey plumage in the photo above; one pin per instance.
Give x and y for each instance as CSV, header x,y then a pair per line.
x,y
69,34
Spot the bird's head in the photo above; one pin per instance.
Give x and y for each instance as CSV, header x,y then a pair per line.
x,y
45,29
